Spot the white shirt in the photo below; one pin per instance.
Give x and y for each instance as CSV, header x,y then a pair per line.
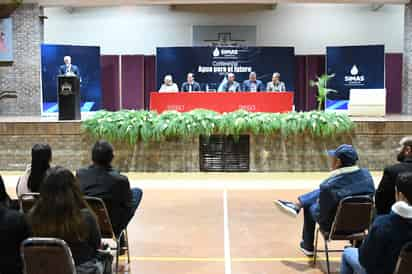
x,y
171,88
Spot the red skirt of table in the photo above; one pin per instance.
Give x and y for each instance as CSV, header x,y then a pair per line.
x,y
222,101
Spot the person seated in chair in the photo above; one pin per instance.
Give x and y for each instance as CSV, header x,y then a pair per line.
x,y
13,231
191,85
320,205
61,212
385,194
231,85
41,157
253,85
389,233
101,180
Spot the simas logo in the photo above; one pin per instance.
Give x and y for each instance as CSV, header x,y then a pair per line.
x,y
354,78
225,52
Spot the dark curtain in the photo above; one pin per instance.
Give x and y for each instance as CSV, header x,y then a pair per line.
x,y
307,68
393,82
149,78
132,82
110,82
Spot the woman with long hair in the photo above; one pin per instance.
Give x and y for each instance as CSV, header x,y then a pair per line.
x,y
13,231
61,212
41,156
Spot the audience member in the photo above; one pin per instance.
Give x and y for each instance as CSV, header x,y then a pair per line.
x,y
101,180
61,212
41,156
13,231
389,233
231,85
253,85
276,84
320,205
385,194
168,85
191,85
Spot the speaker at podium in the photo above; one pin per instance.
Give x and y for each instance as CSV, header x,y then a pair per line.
x,y
68,89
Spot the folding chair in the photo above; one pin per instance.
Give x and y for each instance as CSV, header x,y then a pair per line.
x,y
47,255
404,265
352,221
27,201
99,208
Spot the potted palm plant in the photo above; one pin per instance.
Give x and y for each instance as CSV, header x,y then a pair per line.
x,y
321,84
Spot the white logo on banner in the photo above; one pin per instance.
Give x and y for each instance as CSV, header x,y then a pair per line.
x,y
216,52
354,79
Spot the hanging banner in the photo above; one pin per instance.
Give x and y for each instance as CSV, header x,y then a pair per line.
x,y
210,65
355,67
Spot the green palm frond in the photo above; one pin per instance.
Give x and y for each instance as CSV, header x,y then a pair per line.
x,y
321,83
131,126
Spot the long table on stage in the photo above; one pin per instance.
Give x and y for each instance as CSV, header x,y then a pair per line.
x,y
222,101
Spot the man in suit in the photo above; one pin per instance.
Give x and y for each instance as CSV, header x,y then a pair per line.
x,y
253,85
68,68
385,194
101,180
276,84
191,85
231,85
319,206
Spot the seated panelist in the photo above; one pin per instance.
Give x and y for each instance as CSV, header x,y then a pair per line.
x,y
253,85
68,68
276,84
168,85
191,85
231,85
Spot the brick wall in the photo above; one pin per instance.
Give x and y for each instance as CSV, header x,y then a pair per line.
x,y
376,143
407,60
23,75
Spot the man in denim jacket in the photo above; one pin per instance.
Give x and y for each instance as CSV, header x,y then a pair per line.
x,y
320,205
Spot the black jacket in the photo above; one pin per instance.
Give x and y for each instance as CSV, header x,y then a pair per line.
x,y
389,233
13,231
114,188
385,194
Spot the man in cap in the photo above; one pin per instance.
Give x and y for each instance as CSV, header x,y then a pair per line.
x,y
319,206
385,194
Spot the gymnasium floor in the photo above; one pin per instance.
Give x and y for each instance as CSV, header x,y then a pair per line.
x,y
217,223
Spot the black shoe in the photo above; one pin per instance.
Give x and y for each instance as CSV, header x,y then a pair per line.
x,y
288,207
307,251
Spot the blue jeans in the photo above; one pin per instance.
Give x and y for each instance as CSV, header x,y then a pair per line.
x,y
137,195
310,204
350,262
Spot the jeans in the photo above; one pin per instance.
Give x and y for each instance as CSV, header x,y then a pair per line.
x,y
137,195
350,262
310,204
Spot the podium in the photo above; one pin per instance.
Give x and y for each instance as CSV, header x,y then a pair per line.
x,y
68,90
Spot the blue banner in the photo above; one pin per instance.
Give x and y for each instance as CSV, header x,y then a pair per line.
x,y
87,59
210,65
355,67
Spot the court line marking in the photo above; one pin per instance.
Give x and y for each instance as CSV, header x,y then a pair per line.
x,y
217,259
228,260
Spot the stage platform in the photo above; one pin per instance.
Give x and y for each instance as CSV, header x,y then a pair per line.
x,y
53,119
376,138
